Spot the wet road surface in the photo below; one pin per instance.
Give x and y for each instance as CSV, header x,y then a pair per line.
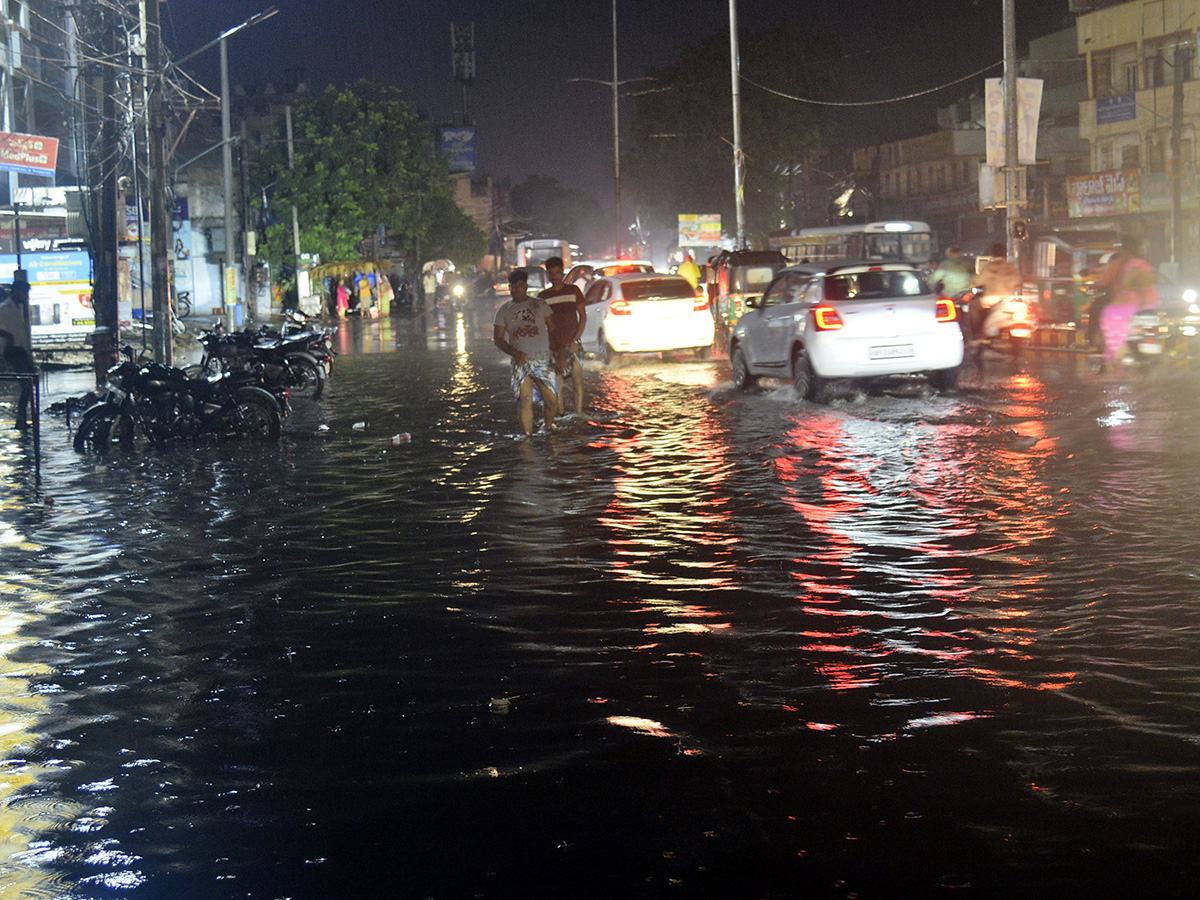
x,y
698,643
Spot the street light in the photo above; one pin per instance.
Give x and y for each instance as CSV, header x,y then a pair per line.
x,y
228,279
615,85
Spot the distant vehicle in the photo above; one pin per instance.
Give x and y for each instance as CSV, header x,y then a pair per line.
x,y
535,251
538,282
645,312
894,240
586,270
735,277
860,320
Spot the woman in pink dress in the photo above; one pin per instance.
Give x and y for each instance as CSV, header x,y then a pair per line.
x,y
343,299
1133,289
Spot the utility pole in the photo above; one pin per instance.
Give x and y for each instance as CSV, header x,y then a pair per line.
x,y
103,175
160,253
616,137
229,276
739,161
1182,60
302,286
1012,164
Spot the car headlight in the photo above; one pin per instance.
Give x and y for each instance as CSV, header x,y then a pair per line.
x,y
1190,296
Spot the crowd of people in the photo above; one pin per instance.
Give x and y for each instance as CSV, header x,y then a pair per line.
x,y
1125,285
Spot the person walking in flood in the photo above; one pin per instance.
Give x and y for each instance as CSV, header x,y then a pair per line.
x,y
1126,285
570,314
524,329
15,345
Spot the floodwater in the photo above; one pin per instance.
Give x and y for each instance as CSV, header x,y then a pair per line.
x,y
696,644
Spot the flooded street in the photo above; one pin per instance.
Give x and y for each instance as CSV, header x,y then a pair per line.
x,y
697,644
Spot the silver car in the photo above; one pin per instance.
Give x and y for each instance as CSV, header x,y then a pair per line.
x,y
858,320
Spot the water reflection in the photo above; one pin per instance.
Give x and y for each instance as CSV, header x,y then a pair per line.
x,y
959,628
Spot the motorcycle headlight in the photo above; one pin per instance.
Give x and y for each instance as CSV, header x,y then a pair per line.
x,y
458,290
1190,296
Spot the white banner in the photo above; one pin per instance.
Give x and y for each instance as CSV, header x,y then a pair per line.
x,y
1029,107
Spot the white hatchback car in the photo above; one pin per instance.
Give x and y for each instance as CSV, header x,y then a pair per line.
x,y
646,312
857,320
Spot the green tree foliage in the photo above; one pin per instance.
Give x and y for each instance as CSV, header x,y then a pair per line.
x,y
682,161
363,159
552,209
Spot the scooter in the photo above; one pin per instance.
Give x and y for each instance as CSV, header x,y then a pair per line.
x,y
1005,326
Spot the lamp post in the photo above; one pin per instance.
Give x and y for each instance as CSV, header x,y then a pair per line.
x,y
616,113
228,277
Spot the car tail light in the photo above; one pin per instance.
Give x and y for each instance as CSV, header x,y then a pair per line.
x,y
700,302
620,308
946,311
827,319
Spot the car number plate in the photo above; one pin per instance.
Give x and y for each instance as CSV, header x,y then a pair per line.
x,y
894,351
1150,348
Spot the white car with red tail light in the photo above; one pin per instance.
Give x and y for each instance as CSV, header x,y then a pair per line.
x,y
646,312
858,320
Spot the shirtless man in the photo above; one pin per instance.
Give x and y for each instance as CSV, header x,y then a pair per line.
x,y
524,328
570,314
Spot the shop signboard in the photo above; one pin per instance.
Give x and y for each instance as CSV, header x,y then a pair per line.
x,y
28,153
60,295
1104,194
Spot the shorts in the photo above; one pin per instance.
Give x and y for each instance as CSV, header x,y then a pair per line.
x,y
570,359
537,369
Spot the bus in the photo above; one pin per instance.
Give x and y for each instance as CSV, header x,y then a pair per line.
x,y
899,240
535,251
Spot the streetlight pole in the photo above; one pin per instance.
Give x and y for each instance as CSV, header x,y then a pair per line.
x,y
616,136
228,279
739,162
615,84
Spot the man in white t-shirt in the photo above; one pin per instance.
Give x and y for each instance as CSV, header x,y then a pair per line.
x,y
523,330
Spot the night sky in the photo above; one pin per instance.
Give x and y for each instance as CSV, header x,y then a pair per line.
x,y
531,119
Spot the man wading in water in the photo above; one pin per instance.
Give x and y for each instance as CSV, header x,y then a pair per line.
x,y
523,330
570,314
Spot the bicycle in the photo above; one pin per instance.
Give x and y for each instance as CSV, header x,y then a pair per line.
x,y
183,304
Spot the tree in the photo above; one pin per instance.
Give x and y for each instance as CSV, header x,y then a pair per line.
x,y
363,159
683,132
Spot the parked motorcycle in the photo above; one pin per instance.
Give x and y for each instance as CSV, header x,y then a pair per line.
x,y
283,363
159,404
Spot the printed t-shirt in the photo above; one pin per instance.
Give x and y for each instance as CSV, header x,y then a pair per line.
x,y
527,325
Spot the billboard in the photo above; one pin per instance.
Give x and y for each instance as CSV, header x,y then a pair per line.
x,y
458,147
28,153
699,230
1029,105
